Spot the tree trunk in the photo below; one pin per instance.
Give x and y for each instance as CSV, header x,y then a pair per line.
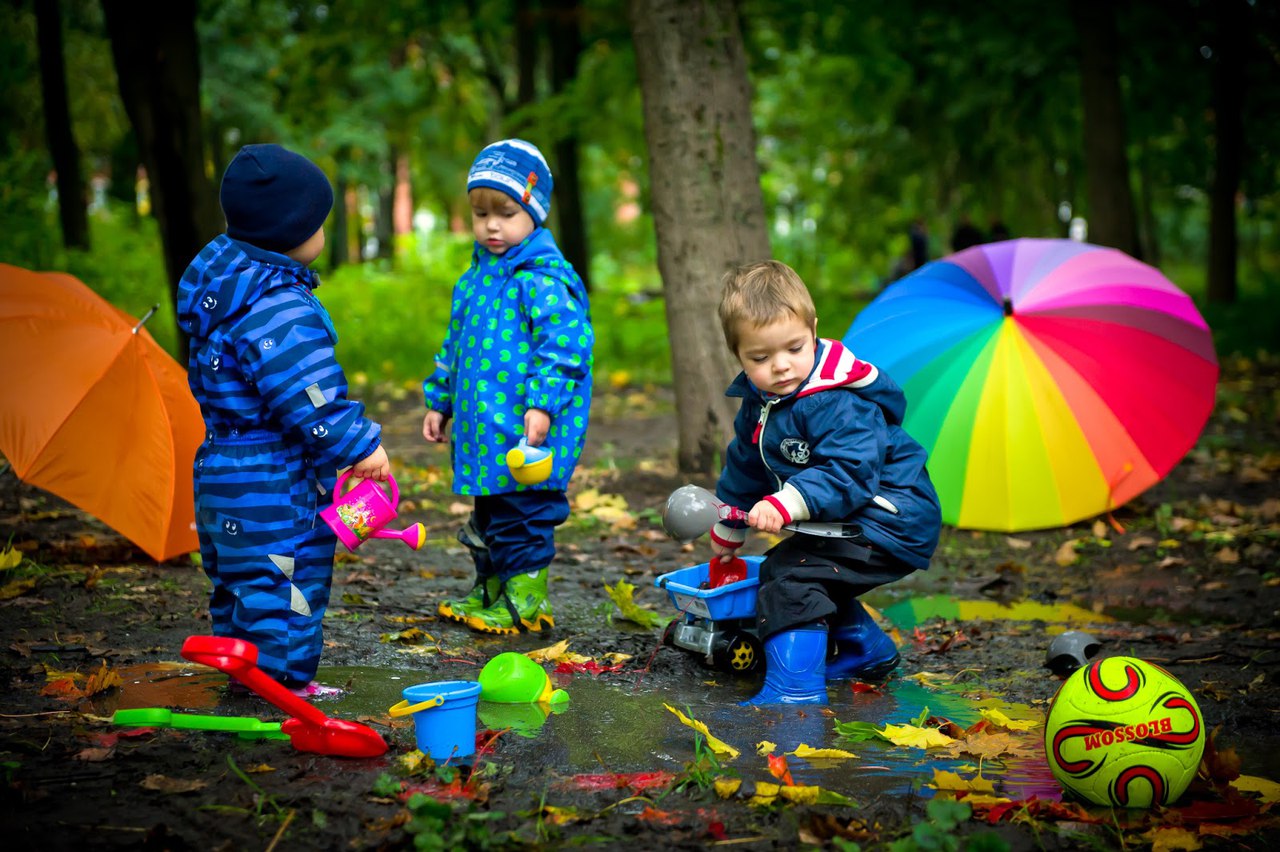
x,y
708,209
1112,219
57,127
339,236
384,217
157,60
566,38
526,18
1228,125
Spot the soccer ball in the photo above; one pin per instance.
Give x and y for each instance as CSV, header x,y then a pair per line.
x,y
1124,732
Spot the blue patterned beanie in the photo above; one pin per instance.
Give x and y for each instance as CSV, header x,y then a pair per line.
x,y
273,198
517,168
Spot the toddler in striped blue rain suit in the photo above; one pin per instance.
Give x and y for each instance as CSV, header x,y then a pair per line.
x,y
278,422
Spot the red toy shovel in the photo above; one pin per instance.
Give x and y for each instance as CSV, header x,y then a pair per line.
x,y
309,729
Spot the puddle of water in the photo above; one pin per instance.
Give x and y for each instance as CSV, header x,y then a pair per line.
x,y
908,613
611,728
608,727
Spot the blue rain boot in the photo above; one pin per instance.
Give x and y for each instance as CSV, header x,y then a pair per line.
x,y
795,668
862,650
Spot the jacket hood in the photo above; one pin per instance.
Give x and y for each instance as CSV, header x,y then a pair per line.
x,y
227,276
837,367
834,368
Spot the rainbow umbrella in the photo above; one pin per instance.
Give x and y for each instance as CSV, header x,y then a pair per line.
x,y
1050,380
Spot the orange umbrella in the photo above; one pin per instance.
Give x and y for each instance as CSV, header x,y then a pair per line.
x,y
93,410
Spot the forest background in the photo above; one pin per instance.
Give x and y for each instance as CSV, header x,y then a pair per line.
x,y
838,125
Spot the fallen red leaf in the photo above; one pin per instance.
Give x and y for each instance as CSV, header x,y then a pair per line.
x,y
638,782
137,733
64,688
1237,807
778,769
1037,808
590,666
860,687
653,815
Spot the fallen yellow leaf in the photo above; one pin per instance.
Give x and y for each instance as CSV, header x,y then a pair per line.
x,y
549,654
1269,790
721,748
910,735
765,747
810,753
10,558
102,680
929,678
726,787
1000,720
1173,840
943,780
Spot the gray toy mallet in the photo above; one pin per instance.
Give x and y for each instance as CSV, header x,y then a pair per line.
x,y
692,511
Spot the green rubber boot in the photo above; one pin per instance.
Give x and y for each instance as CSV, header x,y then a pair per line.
x,y
483,594
521,607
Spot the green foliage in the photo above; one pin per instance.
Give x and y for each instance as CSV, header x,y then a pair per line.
x,y
868,117
437,827
938,832
701,773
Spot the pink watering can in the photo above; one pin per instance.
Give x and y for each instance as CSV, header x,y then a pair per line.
x,y
364,512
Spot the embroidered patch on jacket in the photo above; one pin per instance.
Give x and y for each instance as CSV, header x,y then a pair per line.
x,y
794,450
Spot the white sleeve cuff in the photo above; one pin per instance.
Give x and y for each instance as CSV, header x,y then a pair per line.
x,y
793,502
727,536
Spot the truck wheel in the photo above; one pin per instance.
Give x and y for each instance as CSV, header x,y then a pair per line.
x,y
669,633
739,653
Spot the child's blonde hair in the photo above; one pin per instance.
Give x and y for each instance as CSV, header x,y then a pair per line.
x,y
490,197
761,293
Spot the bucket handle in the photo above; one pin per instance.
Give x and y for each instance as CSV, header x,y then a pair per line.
x,y
404,708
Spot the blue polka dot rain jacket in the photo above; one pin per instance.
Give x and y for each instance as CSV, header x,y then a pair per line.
x,y
519,337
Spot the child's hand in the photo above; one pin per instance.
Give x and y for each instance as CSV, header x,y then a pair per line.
x,y
376,465
765,517
536,425
433,427
722,553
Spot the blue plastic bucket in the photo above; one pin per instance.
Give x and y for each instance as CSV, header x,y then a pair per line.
x,y
446,728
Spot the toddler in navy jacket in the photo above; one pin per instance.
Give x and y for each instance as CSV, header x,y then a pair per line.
x,y
818,438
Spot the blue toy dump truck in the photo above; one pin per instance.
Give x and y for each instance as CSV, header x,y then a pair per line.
x,y
715,625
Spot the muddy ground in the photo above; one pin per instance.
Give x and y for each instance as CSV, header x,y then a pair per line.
x,y
1191,583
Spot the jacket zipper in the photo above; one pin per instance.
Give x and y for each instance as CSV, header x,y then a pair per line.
x,y
759,439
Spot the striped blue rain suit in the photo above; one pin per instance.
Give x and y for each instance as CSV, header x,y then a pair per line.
x,y
278,427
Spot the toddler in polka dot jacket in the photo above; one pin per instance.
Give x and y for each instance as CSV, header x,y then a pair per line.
x,y
515,363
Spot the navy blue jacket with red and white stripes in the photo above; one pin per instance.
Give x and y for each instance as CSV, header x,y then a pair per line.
x,y
833,450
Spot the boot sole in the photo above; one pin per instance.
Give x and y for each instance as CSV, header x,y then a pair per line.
x,y
542,622
446,611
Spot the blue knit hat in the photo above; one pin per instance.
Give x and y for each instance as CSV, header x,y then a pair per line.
x,y
274,198
517,168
